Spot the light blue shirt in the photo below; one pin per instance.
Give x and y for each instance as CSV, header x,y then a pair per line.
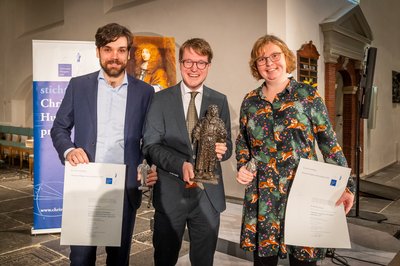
x,y
111,107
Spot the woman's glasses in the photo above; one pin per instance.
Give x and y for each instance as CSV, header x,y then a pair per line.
x,y
262,60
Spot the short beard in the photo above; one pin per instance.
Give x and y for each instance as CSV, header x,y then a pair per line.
x,y
113,72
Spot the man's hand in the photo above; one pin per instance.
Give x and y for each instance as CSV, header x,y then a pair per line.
x,y
347,199
77,156
244,176
220,149
152,176
188,173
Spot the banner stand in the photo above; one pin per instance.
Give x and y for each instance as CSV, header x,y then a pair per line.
x,y
54,64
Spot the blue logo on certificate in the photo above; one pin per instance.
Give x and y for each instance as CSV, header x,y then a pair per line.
x,y
333,182
109,180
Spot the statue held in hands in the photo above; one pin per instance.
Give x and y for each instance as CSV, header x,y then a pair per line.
x,y
208,131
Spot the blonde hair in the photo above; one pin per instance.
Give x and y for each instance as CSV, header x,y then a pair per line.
x,y
257,51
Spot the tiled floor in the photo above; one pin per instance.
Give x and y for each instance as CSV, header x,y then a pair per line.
x,y
371,241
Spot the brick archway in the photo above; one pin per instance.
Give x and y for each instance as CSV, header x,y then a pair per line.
x,y
349,70
346,34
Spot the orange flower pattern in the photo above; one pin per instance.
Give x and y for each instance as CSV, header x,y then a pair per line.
x,y
277,135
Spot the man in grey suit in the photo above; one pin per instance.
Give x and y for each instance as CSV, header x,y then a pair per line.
x,y
179,202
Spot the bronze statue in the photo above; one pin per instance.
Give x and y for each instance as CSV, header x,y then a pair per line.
x,y
208,131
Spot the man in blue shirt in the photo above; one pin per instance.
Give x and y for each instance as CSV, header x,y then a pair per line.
x,y
107,109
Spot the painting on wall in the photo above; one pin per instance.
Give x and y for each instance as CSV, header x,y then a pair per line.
x,y
395,87
152,59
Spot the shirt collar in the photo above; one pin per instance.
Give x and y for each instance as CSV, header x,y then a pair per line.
x,y
124,81
186,90
288,88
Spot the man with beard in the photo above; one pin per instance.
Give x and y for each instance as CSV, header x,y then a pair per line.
x,y
107,109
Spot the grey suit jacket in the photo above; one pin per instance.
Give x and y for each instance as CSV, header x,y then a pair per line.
x,y
166,144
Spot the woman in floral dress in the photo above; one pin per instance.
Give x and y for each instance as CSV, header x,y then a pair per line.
x,y
280,122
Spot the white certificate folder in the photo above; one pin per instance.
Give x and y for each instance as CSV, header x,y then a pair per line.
x,y
312,219
93,204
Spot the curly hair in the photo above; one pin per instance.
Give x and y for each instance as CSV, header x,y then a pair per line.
x,y
257,51
155,60
110,33
199,45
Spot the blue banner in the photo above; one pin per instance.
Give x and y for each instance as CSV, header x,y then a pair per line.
x,y
48,171
54,64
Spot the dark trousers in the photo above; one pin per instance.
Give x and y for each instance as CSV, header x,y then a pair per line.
x,y
196,212
273,261
86,255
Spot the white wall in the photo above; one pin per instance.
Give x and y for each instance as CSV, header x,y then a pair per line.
x,y
303,19
381,146
231,27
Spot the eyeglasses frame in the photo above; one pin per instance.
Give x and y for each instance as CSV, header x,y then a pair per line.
x,y
194,63
268,57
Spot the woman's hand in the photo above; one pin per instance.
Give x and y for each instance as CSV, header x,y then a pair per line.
x,y
244,176
347,199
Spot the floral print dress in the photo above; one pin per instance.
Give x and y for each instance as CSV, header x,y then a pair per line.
x,y
277,135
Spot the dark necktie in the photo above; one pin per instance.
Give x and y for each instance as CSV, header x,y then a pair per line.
x,y
191,118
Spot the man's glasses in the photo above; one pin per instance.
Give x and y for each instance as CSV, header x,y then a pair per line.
x,y
199,64
262,60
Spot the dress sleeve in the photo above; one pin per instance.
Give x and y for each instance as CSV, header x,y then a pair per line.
x,y
326,136
242,141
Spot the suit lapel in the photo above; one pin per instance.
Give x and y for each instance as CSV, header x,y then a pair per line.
x,y
92,89
132,112
129,112
177,108
206,101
